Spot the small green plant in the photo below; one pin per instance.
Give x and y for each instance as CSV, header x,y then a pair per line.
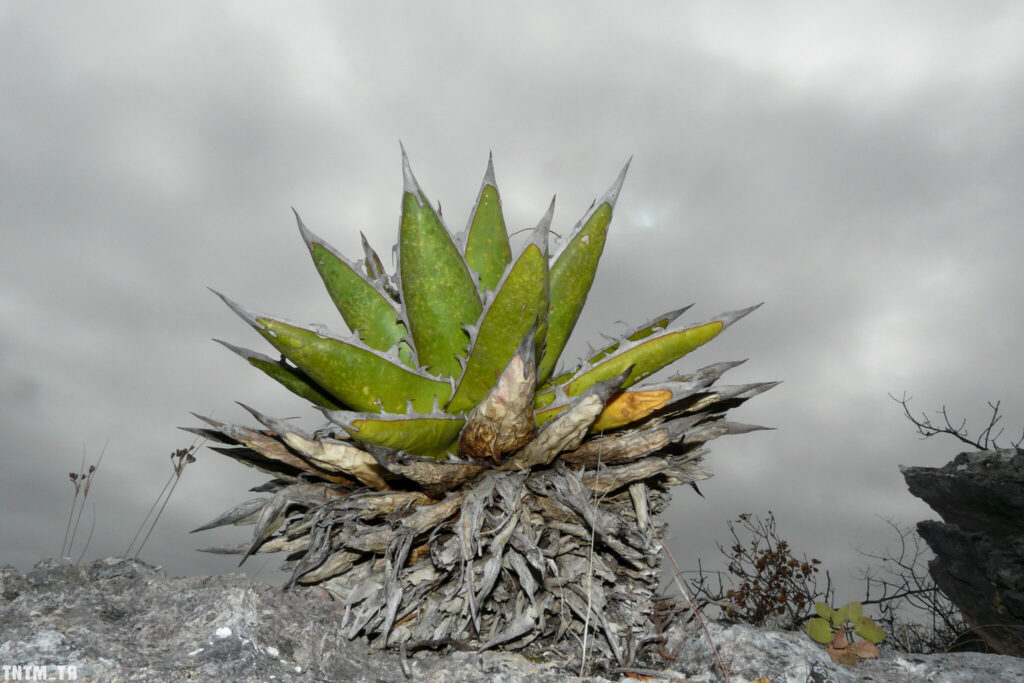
x,y
833,628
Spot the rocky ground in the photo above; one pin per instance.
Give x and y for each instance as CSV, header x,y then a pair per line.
x,y
122,620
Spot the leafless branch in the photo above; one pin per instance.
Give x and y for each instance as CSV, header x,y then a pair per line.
x,y
985,440
907,591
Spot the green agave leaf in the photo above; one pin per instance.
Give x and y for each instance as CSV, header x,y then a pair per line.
x,y
572,274
437,290
366,308
420,434
290,377
819,629
357,375
487,248
648,355
519,304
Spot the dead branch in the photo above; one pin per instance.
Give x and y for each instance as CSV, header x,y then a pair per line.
x,y
985,440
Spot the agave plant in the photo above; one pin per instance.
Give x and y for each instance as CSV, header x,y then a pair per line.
x,y
464,489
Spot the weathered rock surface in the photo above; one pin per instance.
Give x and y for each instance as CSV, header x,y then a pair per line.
x,y
789,657
979,545
120,620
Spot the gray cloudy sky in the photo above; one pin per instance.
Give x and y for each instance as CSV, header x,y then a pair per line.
x,y
857,166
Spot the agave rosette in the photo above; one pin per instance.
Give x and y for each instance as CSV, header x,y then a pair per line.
x,y
445,398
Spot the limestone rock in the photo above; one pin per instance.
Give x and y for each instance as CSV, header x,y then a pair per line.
x,y
119,620
751,653
979,545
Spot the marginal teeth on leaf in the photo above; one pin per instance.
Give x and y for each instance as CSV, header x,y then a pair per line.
x,y
708,374
430,434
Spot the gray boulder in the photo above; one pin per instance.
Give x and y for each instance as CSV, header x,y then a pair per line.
x,y
119,620
979,545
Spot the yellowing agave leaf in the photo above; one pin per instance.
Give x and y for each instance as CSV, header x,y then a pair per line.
x,y
438,292
359,376
429,434
726,396
631,406
643,332
648,355
636,334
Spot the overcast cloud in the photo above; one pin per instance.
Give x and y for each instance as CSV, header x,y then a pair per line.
x,y
858,167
